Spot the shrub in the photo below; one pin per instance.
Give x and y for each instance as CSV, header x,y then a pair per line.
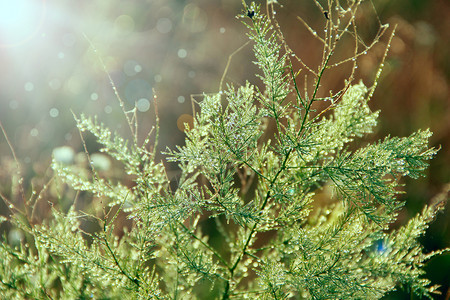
x,y
256,166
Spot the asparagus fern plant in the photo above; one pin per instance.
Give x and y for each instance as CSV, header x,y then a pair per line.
x,y
254,165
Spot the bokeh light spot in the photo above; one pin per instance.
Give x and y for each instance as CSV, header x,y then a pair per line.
x,y
13,104
195,18
76,84
182,53
143,105
124,24
185,118
181,99
34,132
15,237
164,25
94,96
64,154
55,84
108,109
158,78
54,112
29,86
101,162
131,68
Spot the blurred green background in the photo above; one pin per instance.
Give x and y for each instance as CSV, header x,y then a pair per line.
x,y
50,53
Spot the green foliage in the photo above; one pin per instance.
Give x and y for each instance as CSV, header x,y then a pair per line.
x,y
254,167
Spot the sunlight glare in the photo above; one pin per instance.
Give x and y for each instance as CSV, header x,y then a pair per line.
x,y
20,20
